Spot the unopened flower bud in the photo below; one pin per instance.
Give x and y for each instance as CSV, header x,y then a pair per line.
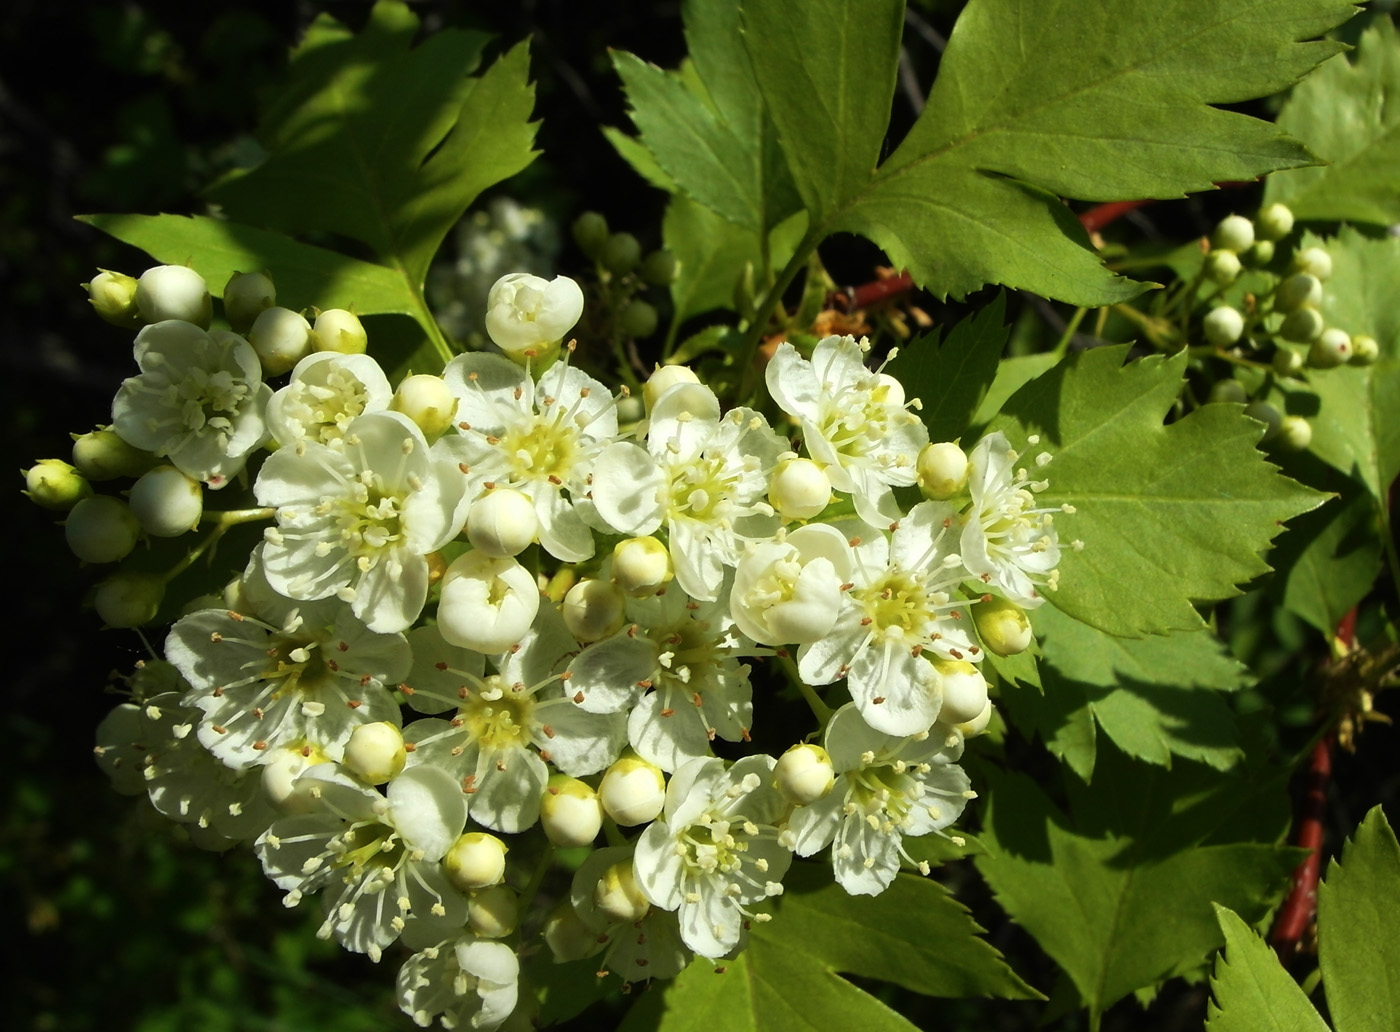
x,y
1331,349
426,399
804,774
475,861
487,604
1233,233
102,455
570,812
129,599
1273,222
1267,414
281,338
620,254
638,319
527,315
279,778
1229,390
167,502
788,592
1294,434
618,896
174,292
1314,260
659,268
799,489
641,566
1222,326
340,331
1365,349
1287,362
1262,253
113,295
493,912
964,690
1223,267
632,791
375,752
502,523
663,378
594,609
1302,326
978,724
1003,626
1299,290
101,529
943,469
53,484
590,231
566,935
246,296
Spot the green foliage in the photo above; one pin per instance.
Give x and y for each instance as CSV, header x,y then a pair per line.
x,y
1169,515
1252,992
1329,559
1118,891
1344,113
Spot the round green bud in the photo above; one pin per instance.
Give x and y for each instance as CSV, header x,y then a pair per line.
x,y
1298,291
475,861
594,609
494,912
1003,625
128,599
632,791
53,484
167,502
1223,267
1233,233
1229,390
1302,326
426,399
570,812
1331,349
246,296
1287,362
662,379
101,529
102,455
113,296
1294,434
804,774
1313,260
620,253
1222,326
340,331
799,489
1262,253
1267,414
638,319
641,566
1365,349
618,895
375,752
174,292
943,469
281,338
964,690
590,233
659,268
1273,222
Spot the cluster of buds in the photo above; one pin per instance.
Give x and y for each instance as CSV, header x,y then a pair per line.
x,y
491,617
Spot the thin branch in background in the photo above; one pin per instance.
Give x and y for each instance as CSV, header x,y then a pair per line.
x,y
925,31
909,82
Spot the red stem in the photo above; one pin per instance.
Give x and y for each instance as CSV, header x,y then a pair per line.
x,y
1298,909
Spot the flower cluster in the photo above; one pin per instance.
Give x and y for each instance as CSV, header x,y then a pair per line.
x,y
505,609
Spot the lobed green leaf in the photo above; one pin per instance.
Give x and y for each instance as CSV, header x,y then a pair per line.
x,y
1253,993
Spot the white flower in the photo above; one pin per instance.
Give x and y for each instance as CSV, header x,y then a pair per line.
x,y
508,724
527,313
326,392
901,602
715,851
887,787
788,591
854,423
199,400
705,477
281,672
648,946
468,982
376,854
486,604
358,520
1007,541
539,440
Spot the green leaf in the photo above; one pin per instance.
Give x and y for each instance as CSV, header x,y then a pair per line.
x,y
1168,515
304,274
384,142
712,255
1253,993
1358,918
630,149
1012,374
951,377
1345,112
1329,559
1118,894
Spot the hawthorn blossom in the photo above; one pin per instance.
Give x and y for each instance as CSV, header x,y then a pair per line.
x,y
467,981
1009,542
527,313
638,941
326,392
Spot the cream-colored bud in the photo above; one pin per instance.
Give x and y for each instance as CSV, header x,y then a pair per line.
x,y
943,469
570,812
54,484
281,338
493,912
799,489
641,566
487,604
375,753
618,896
1273,222
1222,326
632,791
1331,349
1314,260
1297,291
101,529
1003,626
476,861
1229,390
594,609
279,778
1233,233
167,502
964,690
246,296
1223,267
664,377
502,523
804,774
102,455
426,400
1365,349
174,292
113,296
978,724
340,331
